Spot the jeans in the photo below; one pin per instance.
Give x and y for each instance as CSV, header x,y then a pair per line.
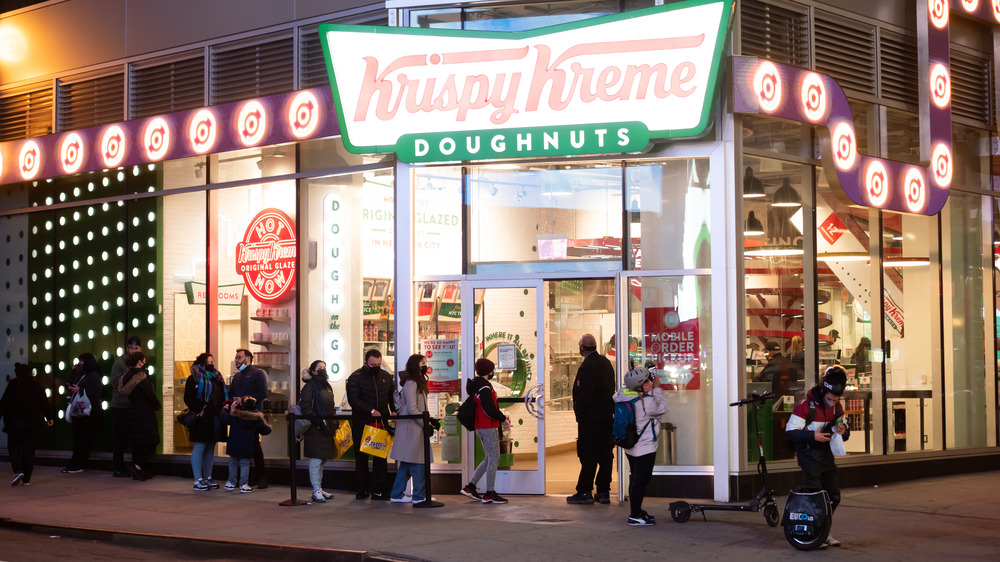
x,y
491,446
241,466
406,471
202,458
316,473
641,469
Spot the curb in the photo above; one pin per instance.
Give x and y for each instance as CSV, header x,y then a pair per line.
x,y
202,548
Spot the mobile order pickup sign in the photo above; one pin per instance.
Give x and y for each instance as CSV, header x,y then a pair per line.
x,y
602,85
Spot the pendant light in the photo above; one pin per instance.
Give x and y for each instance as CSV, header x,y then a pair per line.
x,y
752,187
786,196
753,226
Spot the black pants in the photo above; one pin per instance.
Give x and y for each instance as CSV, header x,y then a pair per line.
x,y
141,454
119,438
596,452
641,469
821,477
85,431
258,463
376,481
21,447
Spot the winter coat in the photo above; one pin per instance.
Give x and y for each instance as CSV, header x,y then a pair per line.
x,y
808,451
89,382
24,406
488,414
593,392
647,411
206,429
251,381
244,427
143,405
408,444
367,391
319,436
118,370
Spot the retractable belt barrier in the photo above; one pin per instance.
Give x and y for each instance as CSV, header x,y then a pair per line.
x,y
426,417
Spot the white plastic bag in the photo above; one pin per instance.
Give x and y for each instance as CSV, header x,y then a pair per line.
x,y
837,444
79,406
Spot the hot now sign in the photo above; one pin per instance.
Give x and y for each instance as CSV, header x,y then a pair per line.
x,y
604,85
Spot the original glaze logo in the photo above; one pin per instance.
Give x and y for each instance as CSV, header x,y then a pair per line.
x,y
266,256
435,95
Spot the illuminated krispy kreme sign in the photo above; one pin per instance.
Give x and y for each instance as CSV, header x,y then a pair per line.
x,y
603,85
266,256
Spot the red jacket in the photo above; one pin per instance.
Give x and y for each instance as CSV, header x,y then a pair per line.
x,y
488,415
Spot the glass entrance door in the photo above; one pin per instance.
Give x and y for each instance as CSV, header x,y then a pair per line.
x,y
506,328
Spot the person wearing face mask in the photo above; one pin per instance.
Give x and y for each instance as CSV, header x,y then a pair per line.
x,y
86,376
119,406
408,444
251,381
204,394
369,392
144,431
317,401
594,407
812,426
488,420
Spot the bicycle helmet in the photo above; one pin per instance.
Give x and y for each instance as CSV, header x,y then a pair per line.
x,y
635,378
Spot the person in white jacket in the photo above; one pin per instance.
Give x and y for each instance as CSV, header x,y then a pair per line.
x,y
641,458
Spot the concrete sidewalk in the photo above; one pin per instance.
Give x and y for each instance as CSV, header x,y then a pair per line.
x,y
955,517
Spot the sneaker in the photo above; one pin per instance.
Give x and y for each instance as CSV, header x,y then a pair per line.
x,y
230,486
404,499
69,470
647,516
361,495
830,541
201,486
17,479
640,521
326,494
211,484
379,497
493,497
421,500
318,497
469,491
604,497
245,489
580,498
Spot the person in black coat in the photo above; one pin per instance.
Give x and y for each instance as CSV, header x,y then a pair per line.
x,y
144,431
251,381
594,406
86,377
369,392
204,394
245,424
317,401
24,409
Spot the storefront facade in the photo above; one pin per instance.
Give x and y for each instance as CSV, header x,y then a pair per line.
x,y
205,188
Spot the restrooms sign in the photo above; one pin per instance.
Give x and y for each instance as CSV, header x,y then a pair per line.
x,y
604,85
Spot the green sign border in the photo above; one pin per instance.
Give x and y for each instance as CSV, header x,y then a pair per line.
x,y
711,90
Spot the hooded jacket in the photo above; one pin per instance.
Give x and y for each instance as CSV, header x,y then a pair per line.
x,y
244,427
488,414
808,451
143,404
647,419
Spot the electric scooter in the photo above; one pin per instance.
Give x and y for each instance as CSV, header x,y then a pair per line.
x,y
681,511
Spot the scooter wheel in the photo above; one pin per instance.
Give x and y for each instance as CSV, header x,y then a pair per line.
x,y
771,515
809,542
680,511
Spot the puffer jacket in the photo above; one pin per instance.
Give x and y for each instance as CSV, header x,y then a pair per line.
x,y
368,391
244,426
319,437
647,419
143,405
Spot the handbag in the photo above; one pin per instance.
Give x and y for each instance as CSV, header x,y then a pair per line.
x,y
79,406
187,418
342,439
301,424
376,441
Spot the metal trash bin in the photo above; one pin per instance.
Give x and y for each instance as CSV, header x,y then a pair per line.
x,y
666,446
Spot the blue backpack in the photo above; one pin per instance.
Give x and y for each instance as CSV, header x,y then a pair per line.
x,y
626,434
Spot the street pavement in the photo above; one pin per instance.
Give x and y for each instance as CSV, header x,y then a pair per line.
x,y
947,518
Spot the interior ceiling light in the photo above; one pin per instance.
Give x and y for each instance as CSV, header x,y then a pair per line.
x,y
786,196
905,262
773,251
752,187
842,256
753,226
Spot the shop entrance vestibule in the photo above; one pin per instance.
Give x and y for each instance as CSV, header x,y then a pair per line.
x,y
530,328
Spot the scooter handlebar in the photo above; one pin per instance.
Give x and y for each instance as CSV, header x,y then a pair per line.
x,y
754,397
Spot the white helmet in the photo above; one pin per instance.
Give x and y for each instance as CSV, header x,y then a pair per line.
x,y
636,377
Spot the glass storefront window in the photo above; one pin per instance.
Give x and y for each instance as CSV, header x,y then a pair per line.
x,y
545,217
777,136
437,221
670,332
668,208
902,136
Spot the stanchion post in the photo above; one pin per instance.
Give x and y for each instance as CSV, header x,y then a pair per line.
x,y
290,417
428,501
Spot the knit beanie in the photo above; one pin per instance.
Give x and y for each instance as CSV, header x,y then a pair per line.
x,y
484,367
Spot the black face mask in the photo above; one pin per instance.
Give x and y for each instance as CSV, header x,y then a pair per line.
x,y
423,369
371,370
321,374
489,377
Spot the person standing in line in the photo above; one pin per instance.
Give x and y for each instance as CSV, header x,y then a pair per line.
x,y
369,392
408,444
204,394
488,419
119,410
24,409
594,407
144,431
251,381
642,456
85,376
246,423
317,401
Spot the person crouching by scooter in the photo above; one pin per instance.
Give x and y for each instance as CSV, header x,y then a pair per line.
x,y
642,456
812,425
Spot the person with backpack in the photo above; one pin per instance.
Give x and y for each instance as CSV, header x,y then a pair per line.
x,y
812,426
487,425
643,420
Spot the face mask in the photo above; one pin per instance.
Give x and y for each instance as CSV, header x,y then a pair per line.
x,y
423,369
489,377
243,366
321,374
210,368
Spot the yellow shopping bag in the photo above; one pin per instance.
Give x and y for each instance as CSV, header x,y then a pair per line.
x,y
342,438
375,441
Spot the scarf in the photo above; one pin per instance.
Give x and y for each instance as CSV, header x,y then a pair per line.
x,y
205,384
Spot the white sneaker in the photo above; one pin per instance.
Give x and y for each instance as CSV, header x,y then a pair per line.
x,y
201,486
245,489
404,499
230,486
318,497
420,500
830,541
326,494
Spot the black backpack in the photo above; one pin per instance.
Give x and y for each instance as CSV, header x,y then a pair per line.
x,y
467,413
